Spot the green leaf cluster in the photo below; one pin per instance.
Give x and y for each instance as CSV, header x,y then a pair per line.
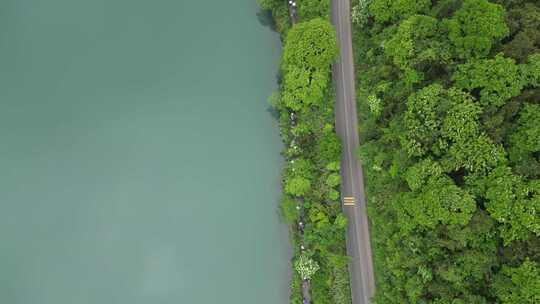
x,y
475,27
519,285
309,50
393,10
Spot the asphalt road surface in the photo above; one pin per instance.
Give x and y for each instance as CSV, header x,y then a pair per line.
x,y
352,188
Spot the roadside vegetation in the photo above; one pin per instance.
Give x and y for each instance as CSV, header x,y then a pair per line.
x,y
449,109
305,105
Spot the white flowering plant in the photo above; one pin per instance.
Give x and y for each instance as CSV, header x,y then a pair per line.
x,y
306,266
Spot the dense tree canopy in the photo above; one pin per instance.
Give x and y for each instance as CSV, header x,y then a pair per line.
x,y
475,27
498,79
519,285
392,10
513,202
310,45
310,9
449,111
309,49
523,21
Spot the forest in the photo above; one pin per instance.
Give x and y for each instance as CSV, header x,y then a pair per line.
x,y
449,110
311,179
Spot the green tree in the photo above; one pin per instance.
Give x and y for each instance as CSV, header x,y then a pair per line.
x,y
524,142
298,176
360,12
477,154
392,10
289,209
461,121
531,70
475,27
310,48
328,147
526,139
280,13
417,42
310,9
268,4
440,112
524,22
333,180
423,120
310,45
498,79
440,201
514,203
297,186
303,87
518,285
420,173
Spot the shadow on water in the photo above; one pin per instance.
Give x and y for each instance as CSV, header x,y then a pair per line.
x,y
273,112
279,77
271,109
265,19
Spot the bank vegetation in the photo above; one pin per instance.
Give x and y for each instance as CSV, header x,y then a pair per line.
x,y
311,179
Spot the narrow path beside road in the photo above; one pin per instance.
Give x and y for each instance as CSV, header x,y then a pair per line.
x,y
352,188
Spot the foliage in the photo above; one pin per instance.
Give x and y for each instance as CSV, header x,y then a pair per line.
x,y
525,141
309,49
498,79
523,22
310,45
514,203
360,12
417,42
375,105
439,201
475,27
531,71
449,111
305,266
297,186
289,211
422,120
310,9
279,13
392,10
519,285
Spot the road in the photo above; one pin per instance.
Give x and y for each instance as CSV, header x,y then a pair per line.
x,y
352,188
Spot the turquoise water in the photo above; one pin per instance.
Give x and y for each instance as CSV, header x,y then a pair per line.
x,y
139,162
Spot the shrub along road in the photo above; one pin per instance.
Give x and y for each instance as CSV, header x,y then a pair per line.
x,y
352,189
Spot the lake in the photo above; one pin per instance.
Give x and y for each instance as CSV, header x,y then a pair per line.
x,y
139,161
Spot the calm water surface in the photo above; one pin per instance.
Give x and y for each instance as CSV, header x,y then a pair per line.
x,y
138,161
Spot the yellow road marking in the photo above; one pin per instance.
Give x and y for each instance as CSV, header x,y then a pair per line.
x,y
348,201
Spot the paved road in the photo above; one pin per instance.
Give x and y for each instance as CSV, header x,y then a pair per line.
x,y
352,189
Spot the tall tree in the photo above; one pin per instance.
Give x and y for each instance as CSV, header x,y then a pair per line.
x,y
475,27
518,285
